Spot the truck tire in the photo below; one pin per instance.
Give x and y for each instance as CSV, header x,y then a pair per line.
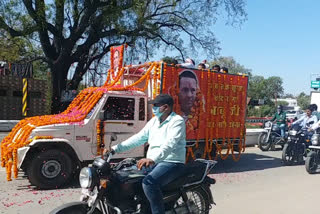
x,y
50,169
312,162
263,144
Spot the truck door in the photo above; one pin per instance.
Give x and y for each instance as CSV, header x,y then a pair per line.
x,y
124,116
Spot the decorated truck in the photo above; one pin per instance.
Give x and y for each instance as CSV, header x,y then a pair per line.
x,y
51,149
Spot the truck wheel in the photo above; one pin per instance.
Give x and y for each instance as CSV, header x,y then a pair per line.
x,y
50,169
264,145
311,162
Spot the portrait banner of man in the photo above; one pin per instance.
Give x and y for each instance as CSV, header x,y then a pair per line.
x,y
213,105
117,60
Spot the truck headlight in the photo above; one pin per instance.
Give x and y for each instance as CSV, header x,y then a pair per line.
x,y
85,177
315,139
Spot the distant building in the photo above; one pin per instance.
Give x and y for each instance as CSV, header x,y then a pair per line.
x,y
291,102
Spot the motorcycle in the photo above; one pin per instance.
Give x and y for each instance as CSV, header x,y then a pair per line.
x,y
270,137
117,189
313,158
297,145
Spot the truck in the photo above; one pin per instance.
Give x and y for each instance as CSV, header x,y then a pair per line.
x,y
51,149
315,98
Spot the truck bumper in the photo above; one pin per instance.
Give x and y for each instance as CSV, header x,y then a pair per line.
x,y
22,152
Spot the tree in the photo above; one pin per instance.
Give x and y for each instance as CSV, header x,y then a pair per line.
x,y
231,64
274,87
288,95
81,32
303,100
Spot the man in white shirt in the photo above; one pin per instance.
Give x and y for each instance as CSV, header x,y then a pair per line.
x,y
308,120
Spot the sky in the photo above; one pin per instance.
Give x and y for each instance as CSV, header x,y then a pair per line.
x,y
280,38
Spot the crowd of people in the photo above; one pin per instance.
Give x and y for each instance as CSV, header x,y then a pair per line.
x,y
189,63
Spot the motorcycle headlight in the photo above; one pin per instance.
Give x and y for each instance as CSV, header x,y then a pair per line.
x,y
267,124
292,132
85,177
315,139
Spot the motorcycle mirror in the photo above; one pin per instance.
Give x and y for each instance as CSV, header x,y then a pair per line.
x,y
113,137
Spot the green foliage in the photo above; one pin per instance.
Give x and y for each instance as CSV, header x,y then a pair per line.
x,y
303,100
233,66
267,89
170,60
289,96
274,87
261,111
283,103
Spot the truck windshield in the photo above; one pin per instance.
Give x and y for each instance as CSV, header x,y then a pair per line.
x,y
119,108
93,109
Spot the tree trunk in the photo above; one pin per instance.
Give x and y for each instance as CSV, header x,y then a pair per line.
x,y
59,81
76,79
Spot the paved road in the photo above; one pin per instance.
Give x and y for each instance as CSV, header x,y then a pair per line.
x,y
257,184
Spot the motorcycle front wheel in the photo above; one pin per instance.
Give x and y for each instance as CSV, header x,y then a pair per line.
x,y
74,208
287,154
312,162
263,143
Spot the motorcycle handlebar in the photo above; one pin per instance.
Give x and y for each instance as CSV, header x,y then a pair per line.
x,y
107,156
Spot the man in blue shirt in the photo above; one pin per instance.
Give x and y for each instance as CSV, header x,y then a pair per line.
x,y
165,159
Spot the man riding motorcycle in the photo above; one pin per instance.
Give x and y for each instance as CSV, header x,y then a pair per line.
x,y
165,159
307,120
280,118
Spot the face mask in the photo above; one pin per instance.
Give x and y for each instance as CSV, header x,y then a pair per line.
x,y
156,111
279,111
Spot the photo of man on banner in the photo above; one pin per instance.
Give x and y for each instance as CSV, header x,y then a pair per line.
x,y
191,103
117,56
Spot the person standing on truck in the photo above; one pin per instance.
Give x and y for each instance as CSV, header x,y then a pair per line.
x,y
188,63
216,68
166,135
280,118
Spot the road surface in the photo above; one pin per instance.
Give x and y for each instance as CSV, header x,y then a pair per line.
x,y
257,184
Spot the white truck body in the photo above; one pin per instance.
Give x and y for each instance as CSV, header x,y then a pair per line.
x,y
315,98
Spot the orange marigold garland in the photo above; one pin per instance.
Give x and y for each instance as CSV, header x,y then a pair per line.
x,y
100,137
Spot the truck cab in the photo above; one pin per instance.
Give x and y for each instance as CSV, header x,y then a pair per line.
x,y
50,162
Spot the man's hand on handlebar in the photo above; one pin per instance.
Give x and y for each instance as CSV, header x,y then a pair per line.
x,y
106,152
145,162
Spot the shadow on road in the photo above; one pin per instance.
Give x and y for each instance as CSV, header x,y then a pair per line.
x,y
74,184
247,162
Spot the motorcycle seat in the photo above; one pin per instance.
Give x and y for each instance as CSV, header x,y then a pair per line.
x,y
193,172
